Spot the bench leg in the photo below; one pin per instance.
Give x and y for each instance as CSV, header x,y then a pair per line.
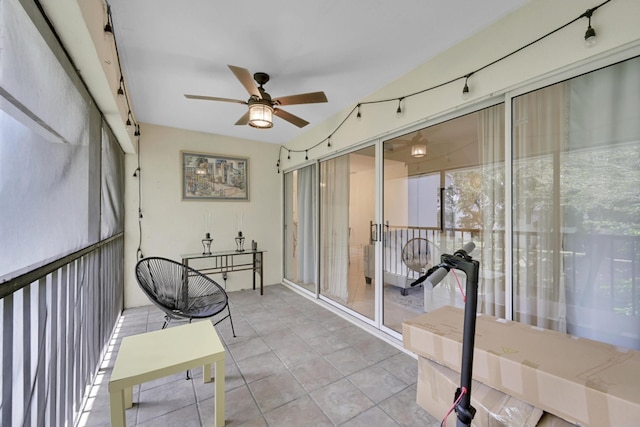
x,y
116,404
128,397
219,394
206,373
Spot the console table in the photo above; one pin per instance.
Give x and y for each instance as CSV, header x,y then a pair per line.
x,y
229,261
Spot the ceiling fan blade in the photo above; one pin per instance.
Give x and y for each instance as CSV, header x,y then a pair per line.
x,y
245,78
214,98
290,118
244,119
303,98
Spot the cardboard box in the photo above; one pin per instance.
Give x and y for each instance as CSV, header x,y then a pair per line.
x,y
436,389
582,381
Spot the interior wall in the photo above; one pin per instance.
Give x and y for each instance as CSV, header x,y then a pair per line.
x,y
616,28
361,204
171,226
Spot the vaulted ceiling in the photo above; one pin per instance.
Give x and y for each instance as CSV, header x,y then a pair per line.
x,y
348,49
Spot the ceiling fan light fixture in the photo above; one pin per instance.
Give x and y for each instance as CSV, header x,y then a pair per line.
x,y
261,116
418,150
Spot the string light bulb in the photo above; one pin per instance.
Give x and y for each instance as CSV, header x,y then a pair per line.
x,y
108,29
329,141
465,89
129,119
399,109
590,35
137,131
306,154
121,87
358,115
288,155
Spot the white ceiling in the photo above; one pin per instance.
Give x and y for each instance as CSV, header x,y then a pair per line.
x,y
348,49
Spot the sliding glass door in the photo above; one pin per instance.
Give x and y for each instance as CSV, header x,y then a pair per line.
x,y
443,187
300,213
347,210
576,210
553,210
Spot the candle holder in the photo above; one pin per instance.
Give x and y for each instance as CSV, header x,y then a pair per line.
x,y
206,244
239,242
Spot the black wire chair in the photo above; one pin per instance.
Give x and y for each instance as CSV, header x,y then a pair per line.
x,y
180,291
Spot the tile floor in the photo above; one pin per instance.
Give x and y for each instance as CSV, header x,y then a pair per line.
x,y
293,364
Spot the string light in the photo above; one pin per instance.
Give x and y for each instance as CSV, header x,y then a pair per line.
x,y
465,89
306,154
288,155
139,251
590,40
590,34
121,87
329,141
108,29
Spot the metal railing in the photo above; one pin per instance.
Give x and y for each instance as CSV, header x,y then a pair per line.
x,y
55,324
396,237
602,270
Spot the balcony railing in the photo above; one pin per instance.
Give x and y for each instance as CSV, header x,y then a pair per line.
x,y
55,323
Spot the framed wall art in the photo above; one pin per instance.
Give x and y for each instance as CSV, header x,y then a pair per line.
x,y
214,177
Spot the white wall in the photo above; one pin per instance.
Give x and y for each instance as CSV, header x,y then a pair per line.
x,y
616,24
362,205
171,226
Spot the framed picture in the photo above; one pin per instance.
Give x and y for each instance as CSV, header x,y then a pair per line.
x,y
214,177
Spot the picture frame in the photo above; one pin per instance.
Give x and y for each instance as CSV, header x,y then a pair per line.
x,y
214,177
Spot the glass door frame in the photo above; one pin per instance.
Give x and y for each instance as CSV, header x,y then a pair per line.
x,y
378,271
447,116
316,231
378,320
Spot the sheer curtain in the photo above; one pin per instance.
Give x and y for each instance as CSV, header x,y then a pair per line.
x,y
539,133
306,210
601,192
334,228
491,246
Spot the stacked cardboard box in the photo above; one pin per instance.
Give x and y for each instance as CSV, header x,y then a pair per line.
x,y
436,388
582,381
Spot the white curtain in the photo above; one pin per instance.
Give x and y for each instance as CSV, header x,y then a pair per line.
x,y
539,133
306,210
490,248
601,189
334,228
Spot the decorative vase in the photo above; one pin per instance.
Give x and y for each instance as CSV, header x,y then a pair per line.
x,y
206,244
239,242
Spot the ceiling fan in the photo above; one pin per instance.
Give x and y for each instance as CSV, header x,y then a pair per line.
x,y
261,105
